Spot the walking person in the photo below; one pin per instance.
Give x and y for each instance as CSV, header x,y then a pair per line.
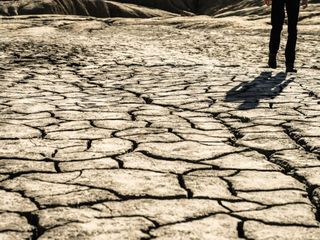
x,y
277,20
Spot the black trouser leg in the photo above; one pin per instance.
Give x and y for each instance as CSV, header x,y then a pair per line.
x,y
277,20
292,7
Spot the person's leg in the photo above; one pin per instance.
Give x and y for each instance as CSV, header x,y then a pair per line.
x,y
277,20
292,7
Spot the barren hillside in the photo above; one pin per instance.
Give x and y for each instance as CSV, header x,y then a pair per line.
x,y
133,8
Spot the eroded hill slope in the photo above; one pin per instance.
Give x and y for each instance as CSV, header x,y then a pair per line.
x,y
133,8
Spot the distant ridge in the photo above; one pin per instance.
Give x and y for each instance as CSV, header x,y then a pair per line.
x,y
132,8
94,8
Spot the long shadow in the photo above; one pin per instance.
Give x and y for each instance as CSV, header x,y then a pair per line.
x,y
265,86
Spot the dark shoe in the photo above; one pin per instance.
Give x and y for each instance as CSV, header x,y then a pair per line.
x,y
290,68
272,63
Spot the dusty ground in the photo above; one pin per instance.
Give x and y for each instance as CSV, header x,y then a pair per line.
x,y
163,128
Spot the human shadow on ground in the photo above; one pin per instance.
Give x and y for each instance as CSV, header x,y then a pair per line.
x,y
265,86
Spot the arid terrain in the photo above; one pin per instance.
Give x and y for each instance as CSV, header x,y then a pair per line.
x,y
135,8
169,127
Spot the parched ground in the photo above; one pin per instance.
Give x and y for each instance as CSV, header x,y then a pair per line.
x,y
158,128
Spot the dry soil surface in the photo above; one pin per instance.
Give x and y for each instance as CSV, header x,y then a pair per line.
x,y
159,128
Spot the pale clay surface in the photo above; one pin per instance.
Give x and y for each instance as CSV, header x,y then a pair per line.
x,y
156,128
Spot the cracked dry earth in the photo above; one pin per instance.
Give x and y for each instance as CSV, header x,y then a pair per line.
x,y
159,128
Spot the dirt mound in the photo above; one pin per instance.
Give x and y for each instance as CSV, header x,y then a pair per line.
x,y
95,8
192,6
134,8
201,7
